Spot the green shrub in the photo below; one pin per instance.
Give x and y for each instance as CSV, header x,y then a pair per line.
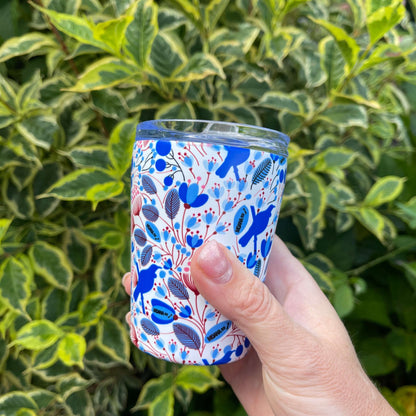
x,y
77,76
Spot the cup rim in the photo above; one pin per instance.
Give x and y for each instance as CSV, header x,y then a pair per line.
x,y
238,134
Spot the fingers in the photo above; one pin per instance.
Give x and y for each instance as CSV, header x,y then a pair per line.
x,y
300,295
230,287
126,282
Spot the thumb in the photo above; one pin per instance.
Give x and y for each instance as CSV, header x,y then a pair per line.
x,y
231,288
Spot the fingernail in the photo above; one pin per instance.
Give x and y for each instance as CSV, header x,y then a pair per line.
x,y
215,264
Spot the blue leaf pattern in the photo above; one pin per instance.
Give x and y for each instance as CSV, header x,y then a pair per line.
x,y
140,237
172,204
146,255
261,172
178,288
150,212
148,184
149,327
187,336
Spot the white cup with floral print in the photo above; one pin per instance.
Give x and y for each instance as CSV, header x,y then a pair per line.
x,y
193,181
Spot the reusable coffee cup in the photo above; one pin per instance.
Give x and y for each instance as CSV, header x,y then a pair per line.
x,y
193,181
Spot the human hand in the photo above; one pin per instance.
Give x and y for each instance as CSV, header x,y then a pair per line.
x,y
302,361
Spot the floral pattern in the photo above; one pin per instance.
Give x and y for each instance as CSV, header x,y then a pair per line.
x,y
184,194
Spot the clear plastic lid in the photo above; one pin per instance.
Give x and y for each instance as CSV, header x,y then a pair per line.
x,y
217,132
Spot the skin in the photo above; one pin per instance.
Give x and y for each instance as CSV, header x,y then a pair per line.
x,y
302,361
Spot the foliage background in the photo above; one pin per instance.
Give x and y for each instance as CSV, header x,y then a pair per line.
x,y
75,78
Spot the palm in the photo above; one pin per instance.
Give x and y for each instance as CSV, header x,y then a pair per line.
x,y
246,378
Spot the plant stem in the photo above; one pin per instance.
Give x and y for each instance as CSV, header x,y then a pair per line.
x,y
378,260
60,40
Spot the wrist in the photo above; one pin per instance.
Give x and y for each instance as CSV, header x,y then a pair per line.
x,y
371,402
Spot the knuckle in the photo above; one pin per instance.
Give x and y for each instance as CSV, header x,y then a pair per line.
x,y
253,301
319,365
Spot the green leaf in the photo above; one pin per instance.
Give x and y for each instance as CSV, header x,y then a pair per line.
x,y
373,306
280,46
152,390
332,158
340,195
44,178
231,46
332,62
22,45
27,98
26,412
407,212
190,9
358,12
346,115
384,19
106,277
89,184
268,10
410,272
54,304
166,54
91,308
80,403
292,4
199,66
213,12
41,130
11,403
280,101
238,113
42,397
38,335
4,226
104,73
311,66
8,95
141,32
347,45
386,189
72,383
378,224
376,356
198,379
343,300
71,349
113,338
78,28
101,192
121,145
403,346
163,405
322,278
20,203
24,149
112,32
90,156
96,231
110,103
316,200
78,250
51,263
176,109
15,282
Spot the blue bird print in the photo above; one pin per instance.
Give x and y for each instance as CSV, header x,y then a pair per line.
x,y
236,156
259,224
146,279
